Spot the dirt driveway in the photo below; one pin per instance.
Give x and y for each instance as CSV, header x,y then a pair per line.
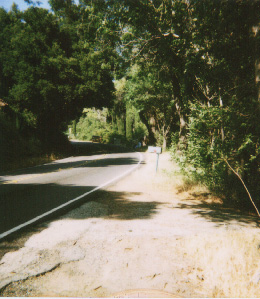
x,y
145,232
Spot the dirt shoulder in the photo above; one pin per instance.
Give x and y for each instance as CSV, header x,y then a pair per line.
x,y
145,232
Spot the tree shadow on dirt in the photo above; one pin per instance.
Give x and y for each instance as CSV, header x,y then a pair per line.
x,y
219,212
116,205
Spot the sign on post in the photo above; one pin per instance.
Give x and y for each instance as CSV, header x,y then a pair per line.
x,y
154,149
157,150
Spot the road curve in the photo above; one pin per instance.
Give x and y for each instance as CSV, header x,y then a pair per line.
x,y
31,194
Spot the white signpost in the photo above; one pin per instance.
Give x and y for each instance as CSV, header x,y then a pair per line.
x,y
157,150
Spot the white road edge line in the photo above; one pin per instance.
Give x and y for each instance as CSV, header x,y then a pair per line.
x,y
72,200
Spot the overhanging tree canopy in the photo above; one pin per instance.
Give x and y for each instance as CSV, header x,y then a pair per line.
x,y
191,69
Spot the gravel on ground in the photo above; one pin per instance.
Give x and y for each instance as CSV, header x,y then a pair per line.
x,y
147,231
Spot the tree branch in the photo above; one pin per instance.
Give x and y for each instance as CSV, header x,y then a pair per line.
x,y
243,185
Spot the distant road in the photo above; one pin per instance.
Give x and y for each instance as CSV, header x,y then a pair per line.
x,y
29,195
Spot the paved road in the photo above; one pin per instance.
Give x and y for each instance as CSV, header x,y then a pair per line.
x,y
33,193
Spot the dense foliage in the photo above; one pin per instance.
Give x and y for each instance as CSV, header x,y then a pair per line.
x,y
182,74
51,68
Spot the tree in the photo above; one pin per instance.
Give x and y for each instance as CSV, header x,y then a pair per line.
x,y
51,73
151,95
159,32
223,118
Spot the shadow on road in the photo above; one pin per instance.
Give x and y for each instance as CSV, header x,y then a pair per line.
x,y
23,202
41,198
79,149
88,148
58,166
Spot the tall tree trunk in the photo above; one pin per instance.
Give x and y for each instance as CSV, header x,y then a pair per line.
x,y
183,126
257,62
257,78
221,129
146,121
164,143
256,32
165,132
129,122
179,109
120,120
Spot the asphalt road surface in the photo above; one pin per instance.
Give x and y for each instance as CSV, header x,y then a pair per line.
x,y
29,195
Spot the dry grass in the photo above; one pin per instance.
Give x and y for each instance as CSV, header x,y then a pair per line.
x,y
228,262
169,178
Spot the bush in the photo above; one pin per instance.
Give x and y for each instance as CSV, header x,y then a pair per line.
x,y
202,157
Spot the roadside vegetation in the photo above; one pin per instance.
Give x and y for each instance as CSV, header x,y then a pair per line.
x,y
181,74
222,264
